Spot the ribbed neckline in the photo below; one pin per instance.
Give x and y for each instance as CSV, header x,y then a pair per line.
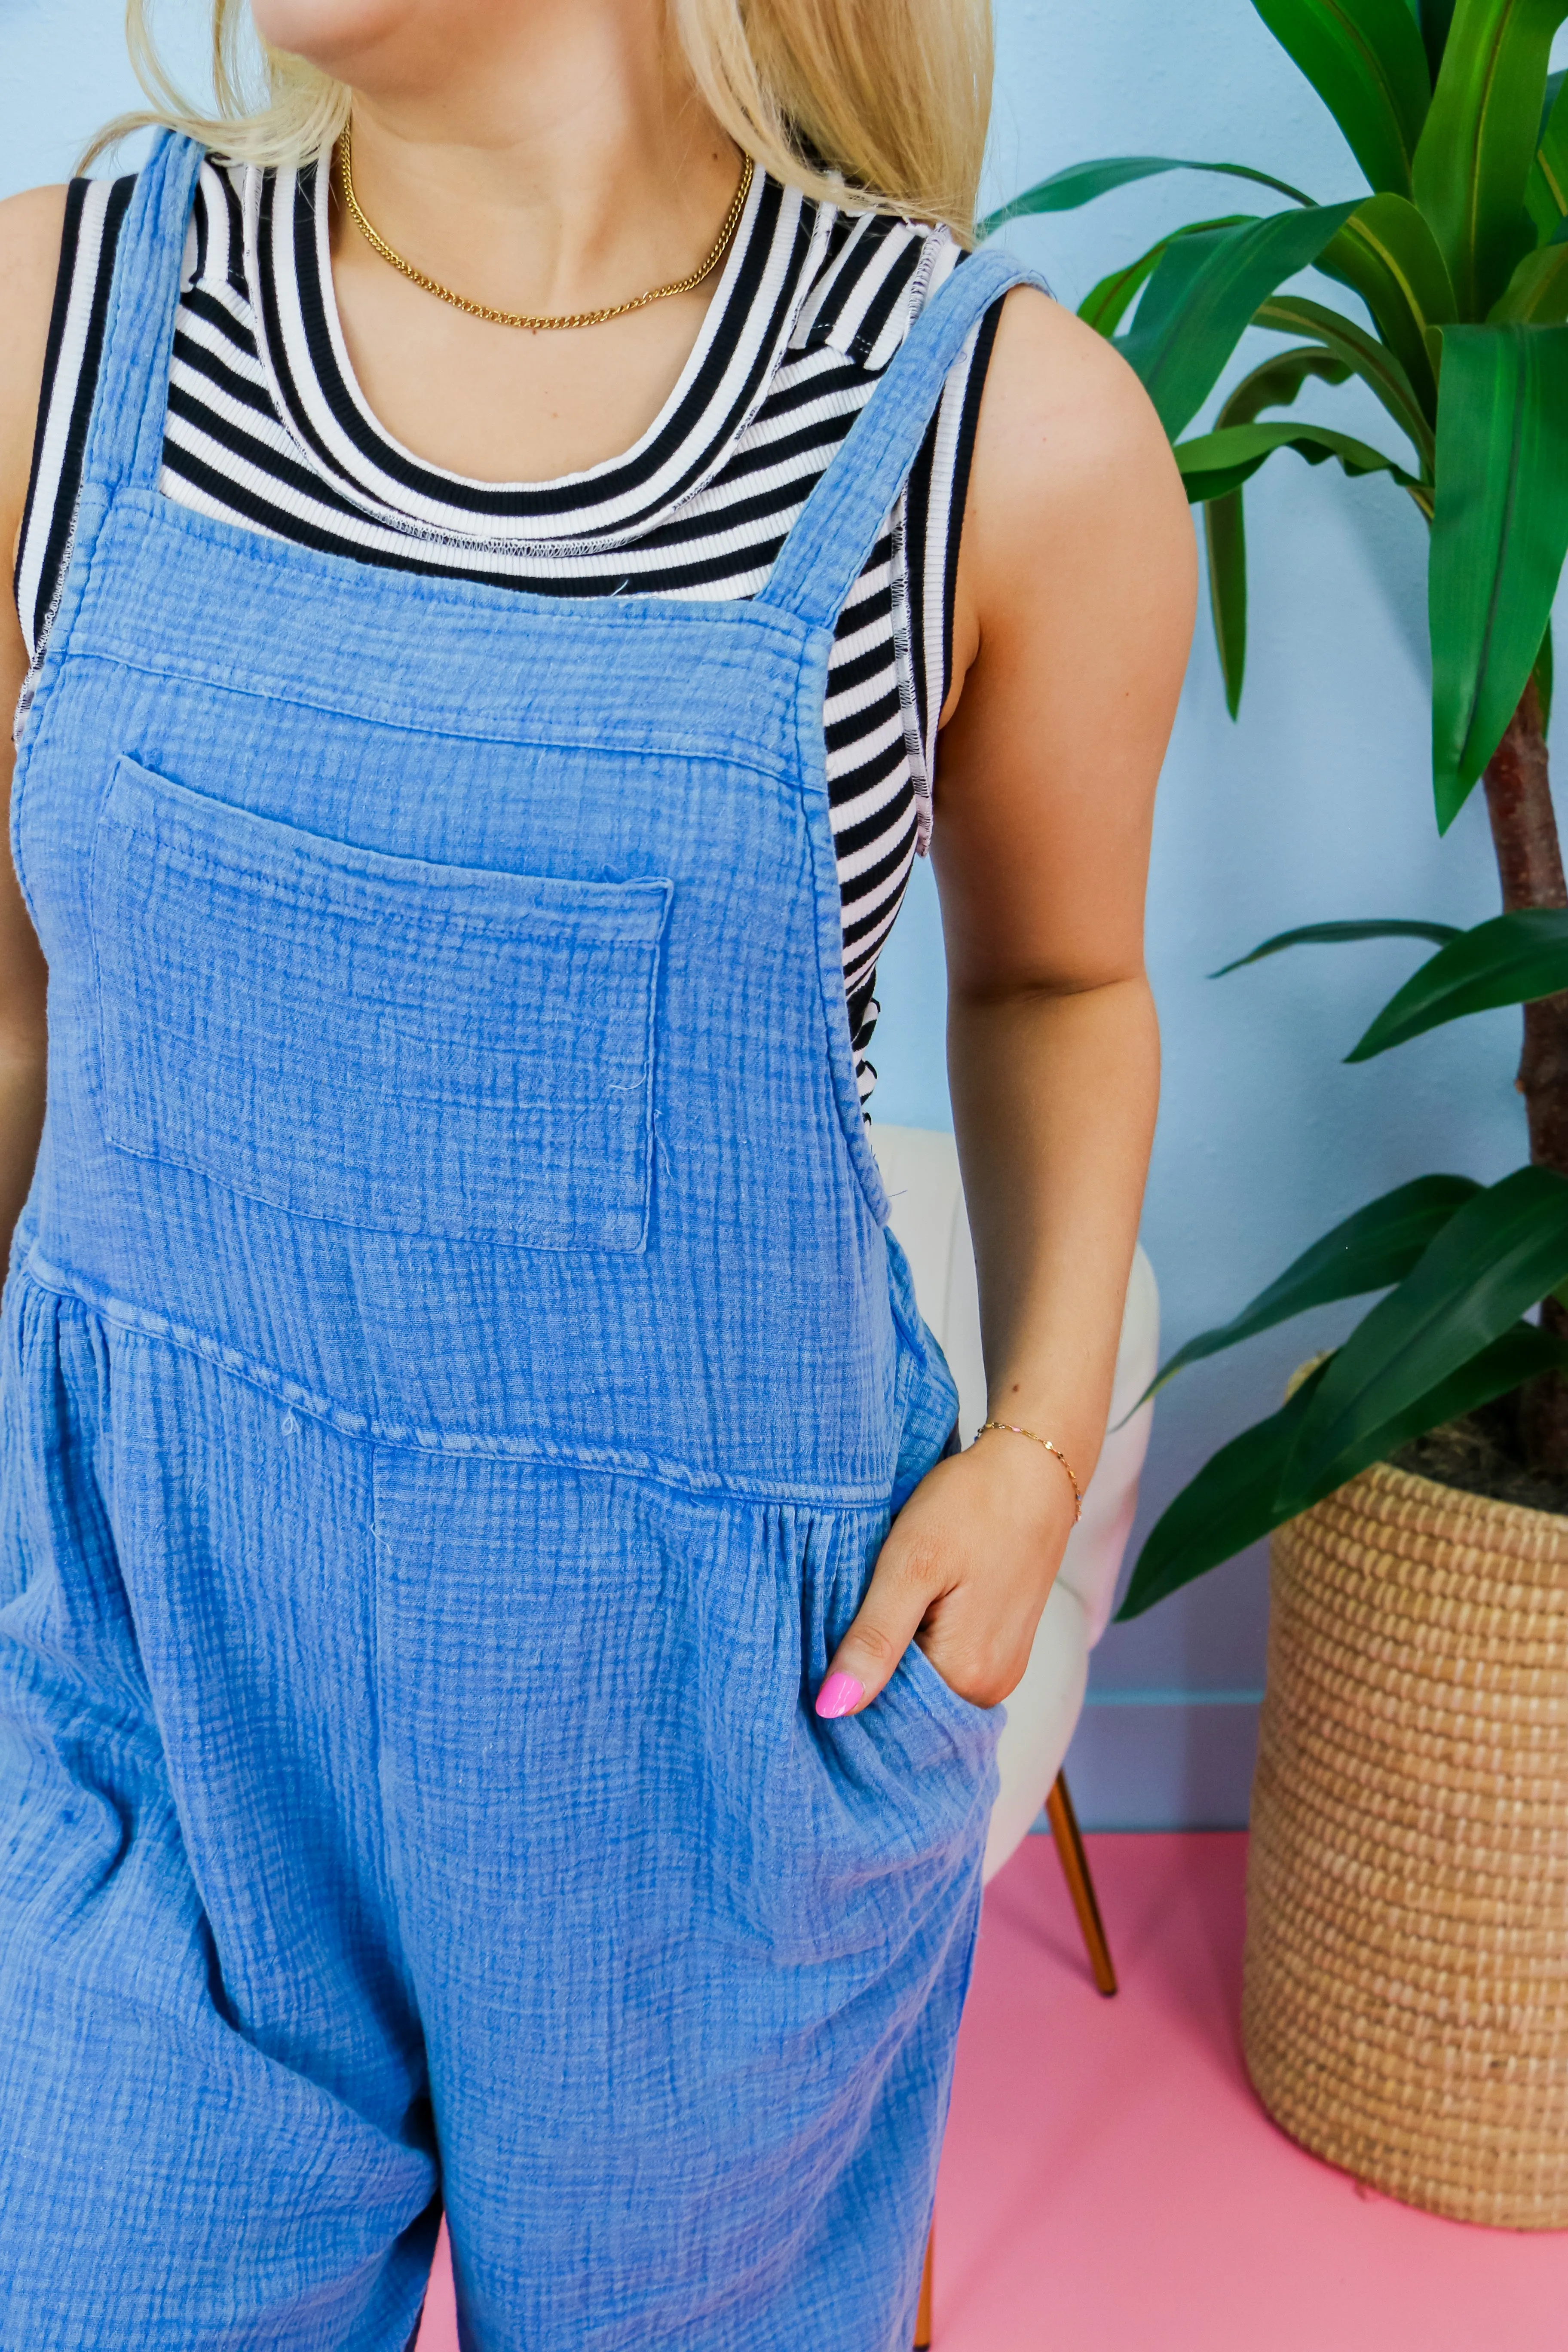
x,y
771,269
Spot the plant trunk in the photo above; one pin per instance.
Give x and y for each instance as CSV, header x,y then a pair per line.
x,y
1530,865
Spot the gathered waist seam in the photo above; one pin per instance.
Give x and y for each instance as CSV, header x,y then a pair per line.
x,y
29,1264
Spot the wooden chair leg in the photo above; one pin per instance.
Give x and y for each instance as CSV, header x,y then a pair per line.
x,y
922,2317
1080,1886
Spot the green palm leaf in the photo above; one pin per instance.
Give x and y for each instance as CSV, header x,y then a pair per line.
x,y
1378,1245
1496,1256
1511,959
1105,305
1213,464
1365,60
1200,301
1081,183
1546,190
1435,17
1239,1493
1275,384
1387,255
1342,348
1537,293
1313,935
1499,532
1225,1508
1473,159
1362,355
1225,543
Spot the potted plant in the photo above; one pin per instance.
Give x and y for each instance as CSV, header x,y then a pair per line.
x,y
1407,1997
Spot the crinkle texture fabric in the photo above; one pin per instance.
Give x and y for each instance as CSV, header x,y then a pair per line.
x,y
439,1461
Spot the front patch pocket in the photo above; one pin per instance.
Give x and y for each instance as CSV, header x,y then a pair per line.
x,y
410,1048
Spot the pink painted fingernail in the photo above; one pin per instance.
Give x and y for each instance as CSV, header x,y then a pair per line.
x,y
839,1694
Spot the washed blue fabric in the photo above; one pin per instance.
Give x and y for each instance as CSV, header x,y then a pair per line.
x,y
456,1383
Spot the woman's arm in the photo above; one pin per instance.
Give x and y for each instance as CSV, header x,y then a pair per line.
x,y
1075,611
30,228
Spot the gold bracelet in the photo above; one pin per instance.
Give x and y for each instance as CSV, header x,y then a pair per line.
x,y
1013,1429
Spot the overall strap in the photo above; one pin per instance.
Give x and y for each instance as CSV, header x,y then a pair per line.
x,y
837,527
125,442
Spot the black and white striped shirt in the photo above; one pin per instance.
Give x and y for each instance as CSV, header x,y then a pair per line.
x,y
266,428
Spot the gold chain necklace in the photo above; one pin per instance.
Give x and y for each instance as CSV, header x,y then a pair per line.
x,y
522,318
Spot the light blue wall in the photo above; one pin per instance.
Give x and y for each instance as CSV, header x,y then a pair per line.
x,y
1317,804
63,71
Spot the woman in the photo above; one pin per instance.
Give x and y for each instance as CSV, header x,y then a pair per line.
x,y
499,1693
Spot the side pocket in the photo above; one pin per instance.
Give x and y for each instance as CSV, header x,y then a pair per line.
x,y
873,1822
374,1039
928,1688
925,1407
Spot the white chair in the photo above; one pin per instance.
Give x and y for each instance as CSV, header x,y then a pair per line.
x,y
919,1171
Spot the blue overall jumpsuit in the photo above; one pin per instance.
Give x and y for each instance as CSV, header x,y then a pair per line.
x,y
456,1383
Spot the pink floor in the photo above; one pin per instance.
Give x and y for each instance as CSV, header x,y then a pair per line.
x,y
1109,2183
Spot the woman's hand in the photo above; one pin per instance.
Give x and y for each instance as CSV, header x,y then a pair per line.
x,y
965,1571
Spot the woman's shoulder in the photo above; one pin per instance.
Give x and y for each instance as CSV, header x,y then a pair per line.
x,y
1066,411
1074,493
58,241
32,227
42,232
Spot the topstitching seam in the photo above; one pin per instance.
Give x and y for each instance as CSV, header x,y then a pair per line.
x,y
729,761
606,612
397,1437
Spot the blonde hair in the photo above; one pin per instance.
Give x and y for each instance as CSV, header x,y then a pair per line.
x,y
884,100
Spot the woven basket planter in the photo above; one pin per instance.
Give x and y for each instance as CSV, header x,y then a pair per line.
x,y
1405,2002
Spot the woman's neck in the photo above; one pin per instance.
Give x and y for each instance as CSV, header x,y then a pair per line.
x,y
565,165
561,162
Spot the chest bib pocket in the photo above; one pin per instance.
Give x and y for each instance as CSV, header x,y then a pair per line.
x,y
373,1040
